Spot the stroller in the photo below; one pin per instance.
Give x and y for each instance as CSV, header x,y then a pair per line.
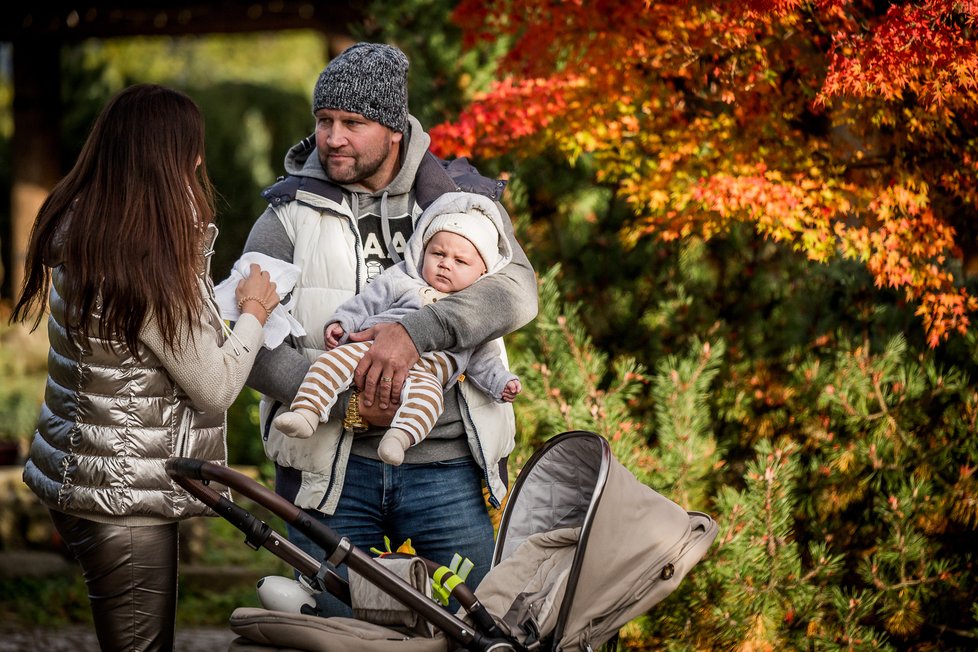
x,y
583,547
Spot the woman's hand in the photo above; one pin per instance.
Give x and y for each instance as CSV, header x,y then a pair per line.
x,y
256,294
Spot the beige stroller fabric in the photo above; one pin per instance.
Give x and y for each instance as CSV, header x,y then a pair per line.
x,y
375,605
577,505
261,630
535,576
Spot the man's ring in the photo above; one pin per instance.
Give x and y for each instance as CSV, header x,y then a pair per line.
x,y
386,379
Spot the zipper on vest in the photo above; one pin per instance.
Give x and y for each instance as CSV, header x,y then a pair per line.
x,y
267,429
493,500
332,471
359,245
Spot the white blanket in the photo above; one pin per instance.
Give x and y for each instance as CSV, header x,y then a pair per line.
x,y
280,323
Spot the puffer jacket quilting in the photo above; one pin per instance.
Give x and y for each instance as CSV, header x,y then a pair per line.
x,y
107,426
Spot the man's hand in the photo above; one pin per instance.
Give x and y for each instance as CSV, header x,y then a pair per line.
x,y
383,369
376,416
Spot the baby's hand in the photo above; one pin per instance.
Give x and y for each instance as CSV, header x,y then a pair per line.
x,y
333,333
512,388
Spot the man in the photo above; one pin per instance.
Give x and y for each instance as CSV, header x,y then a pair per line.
x,y
342,215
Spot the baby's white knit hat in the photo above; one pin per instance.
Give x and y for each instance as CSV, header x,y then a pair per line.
x,y
475,226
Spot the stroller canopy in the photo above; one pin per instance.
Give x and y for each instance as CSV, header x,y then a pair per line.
x,y
584,547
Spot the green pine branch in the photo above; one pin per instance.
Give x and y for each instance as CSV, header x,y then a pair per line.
x,y
571,385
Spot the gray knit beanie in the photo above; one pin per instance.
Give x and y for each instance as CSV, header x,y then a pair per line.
x,y
369,79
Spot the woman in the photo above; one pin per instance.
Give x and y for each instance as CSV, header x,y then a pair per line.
x,y
141,366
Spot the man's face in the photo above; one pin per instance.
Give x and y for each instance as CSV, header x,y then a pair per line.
x,y
451,263
353,149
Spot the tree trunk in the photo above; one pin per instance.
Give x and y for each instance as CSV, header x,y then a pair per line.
x,y
35,150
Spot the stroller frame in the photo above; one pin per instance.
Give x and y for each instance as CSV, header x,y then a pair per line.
x,y
602,474
194,476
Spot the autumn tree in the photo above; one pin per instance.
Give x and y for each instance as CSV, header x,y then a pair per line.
x,y
819,160
844,129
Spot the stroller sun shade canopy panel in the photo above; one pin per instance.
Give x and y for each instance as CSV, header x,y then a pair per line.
x,y
555,492
584,547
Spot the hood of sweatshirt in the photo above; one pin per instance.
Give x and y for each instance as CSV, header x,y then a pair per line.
x,y
451,203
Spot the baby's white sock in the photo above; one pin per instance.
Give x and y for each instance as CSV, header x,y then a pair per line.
x,y
392,446
299,423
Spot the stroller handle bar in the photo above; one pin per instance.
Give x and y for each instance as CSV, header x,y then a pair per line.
x,y
259,535
189,472
187,467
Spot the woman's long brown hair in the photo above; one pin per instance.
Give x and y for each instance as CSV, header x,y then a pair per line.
x,y
127,222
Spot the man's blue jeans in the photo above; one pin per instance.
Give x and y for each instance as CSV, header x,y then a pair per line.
x,y
439,506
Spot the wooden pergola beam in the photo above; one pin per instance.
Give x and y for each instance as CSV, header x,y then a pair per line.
x,y
74,21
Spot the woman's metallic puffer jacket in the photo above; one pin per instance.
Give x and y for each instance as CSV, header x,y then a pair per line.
x,y
107,426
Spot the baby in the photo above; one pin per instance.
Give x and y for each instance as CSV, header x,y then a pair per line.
x,y
457,240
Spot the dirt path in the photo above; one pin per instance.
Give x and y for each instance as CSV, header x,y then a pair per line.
x,y
82,639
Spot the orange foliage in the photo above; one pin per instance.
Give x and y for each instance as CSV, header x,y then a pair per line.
x,y
846,128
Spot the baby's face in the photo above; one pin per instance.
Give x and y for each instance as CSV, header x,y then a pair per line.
x,y
451,263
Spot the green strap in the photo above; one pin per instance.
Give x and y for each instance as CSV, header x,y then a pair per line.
x,y
446,578
438,590
452,582
461,567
